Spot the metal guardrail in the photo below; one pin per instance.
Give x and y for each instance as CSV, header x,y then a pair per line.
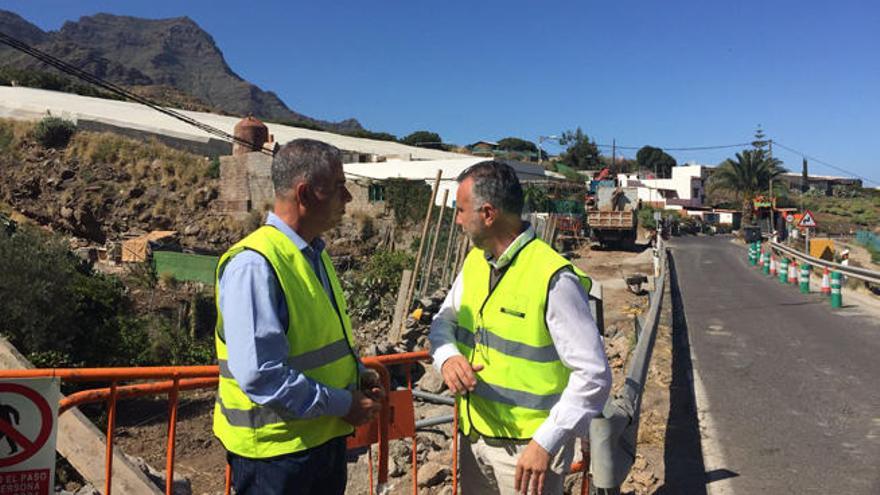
x,y
614,433
850,271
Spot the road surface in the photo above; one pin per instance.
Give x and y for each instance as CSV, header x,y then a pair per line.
x,y
787,389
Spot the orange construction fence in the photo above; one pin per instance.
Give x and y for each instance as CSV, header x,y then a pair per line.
x,y
396,418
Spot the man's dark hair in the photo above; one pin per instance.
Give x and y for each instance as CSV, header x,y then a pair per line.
x,y
302,160
495,183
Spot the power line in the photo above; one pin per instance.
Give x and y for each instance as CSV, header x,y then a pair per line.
x,y
681,148
813,159
118,90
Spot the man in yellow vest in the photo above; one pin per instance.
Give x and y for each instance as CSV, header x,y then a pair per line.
x,y
516,342
291,387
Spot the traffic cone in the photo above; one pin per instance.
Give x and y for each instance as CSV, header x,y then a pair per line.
x,y
772,265
761,258
826,282
793,272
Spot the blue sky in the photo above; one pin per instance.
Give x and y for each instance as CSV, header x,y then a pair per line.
x,y
679,73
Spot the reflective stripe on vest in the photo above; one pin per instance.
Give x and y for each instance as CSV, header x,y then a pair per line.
x,y
320,346
544,354
506,332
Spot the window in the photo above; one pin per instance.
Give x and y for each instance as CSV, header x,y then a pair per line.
x,y
376,192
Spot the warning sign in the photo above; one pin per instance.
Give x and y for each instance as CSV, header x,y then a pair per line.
x,y
807,220
28,423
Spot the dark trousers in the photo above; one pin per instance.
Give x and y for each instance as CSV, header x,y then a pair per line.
x,y
319,470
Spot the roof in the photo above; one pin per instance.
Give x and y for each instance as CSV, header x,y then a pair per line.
x,y
427,170
33,104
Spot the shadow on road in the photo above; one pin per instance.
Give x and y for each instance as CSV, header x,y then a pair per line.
x,y
683,456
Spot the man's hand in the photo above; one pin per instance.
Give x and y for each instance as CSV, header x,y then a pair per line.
x,y
363,408
459,374
531,469
371,385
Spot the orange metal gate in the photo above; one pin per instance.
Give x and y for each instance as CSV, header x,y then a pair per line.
x,y
396,419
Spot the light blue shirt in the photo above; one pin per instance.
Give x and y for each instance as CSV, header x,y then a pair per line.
x,y
255,320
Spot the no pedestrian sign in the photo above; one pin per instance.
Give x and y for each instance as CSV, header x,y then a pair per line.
x,y
28,424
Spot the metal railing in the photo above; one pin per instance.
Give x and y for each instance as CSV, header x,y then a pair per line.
x,y
850,271
396,419
613,435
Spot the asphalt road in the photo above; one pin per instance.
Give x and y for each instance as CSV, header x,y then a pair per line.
x,y
788,390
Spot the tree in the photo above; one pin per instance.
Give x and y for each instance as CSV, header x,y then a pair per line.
x,y
745,177
424,139
761,140
582,153
535,198
520,145
656,159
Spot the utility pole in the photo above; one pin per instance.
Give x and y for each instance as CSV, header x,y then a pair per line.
x,y
613,154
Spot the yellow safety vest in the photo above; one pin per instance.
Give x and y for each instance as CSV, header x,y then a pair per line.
x,y
321,346
506,332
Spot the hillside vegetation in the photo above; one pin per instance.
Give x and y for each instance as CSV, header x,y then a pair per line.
x,y
102,186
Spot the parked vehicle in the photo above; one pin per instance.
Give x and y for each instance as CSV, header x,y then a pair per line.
x,y
613,221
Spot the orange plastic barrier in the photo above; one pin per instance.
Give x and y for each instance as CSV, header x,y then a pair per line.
x,y
396,418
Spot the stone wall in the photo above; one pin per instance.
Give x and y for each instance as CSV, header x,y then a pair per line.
x,y
245,183
360,202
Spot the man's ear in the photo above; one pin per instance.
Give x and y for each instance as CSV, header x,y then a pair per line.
x,y
489,213
303,194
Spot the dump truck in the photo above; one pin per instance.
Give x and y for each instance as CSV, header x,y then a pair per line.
x,y
613,220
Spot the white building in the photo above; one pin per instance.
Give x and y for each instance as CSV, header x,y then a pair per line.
x,y
427,170
686,188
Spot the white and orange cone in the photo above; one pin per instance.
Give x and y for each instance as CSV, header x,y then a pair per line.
x,y
826,282
793,273
772,264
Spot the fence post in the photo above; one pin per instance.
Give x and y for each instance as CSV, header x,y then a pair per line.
x,y
836,295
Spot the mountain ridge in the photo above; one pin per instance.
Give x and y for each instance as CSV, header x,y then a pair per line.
x,y
172,53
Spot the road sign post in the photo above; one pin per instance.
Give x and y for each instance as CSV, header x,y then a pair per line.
x,y
28,425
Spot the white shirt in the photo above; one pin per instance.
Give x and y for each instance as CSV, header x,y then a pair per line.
x,y
575,336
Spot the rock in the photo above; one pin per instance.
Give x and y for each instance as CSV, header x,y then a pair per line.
x,y
433,473
432,381
66,212
191,229
180,486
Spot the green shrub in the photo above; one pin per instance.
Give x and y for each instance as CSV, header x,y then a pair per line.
x,y
408,199
59,312
54,132
214,169
371,291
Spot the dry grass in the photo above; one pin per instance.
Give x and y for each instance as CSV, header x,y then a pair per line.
x,y
140,159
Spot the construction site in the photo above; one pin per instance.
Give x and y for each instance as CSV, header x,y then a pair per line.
x,y
114,213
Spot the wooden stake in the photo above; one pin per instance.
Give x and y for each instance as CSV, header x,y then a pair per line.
x,y
426,277
401,307
450,239
412,284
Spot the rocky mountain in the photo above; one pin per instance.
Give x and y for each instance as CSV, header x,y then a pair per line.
x,y
167,53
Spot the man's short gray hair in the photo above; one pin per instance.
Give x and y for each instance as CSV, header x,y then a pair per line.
x,y
302,160
495,183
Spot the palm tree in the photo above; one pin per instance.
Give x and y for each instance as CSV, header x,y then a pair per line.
x,y
747,176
